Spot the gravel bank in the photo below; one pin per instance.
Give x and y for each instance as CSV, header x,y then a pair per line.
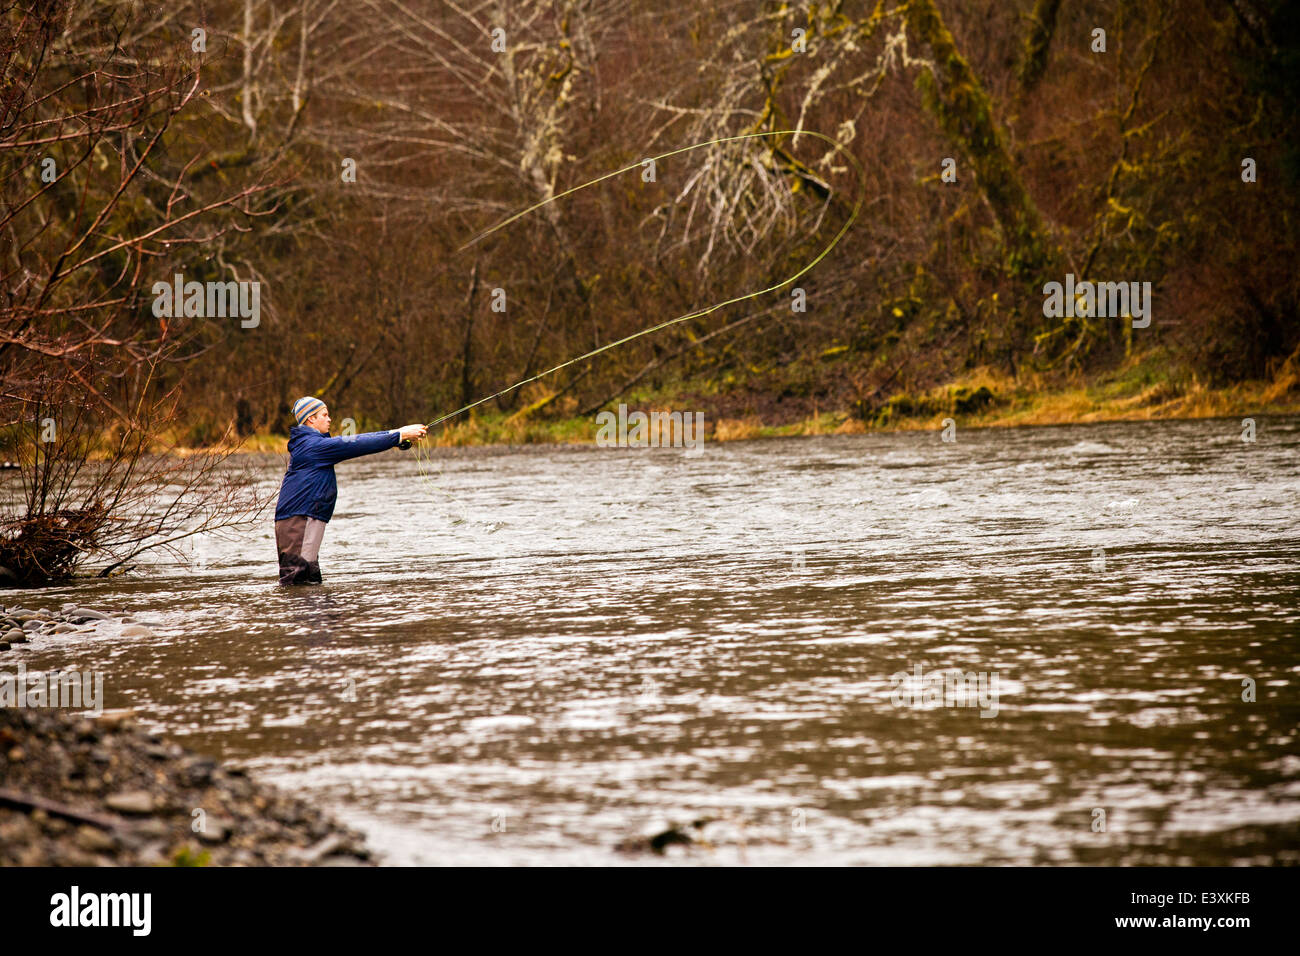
x,y
83,790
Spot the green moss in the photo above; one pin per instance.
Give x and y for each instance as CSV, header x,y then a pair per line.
x,y
188,856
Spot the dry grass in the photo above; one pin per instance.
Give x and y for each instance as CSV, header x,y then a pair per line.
x,y
738,429
1142,389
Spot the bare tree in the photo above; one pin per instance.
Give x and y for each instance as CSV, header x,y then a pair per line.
x,y
95,201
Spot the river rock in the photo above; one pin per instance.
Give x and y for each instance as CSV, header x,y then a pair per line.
x,y
136,630
62,629
32,624
154,829
321,849
197,771
95,840
88,614
154,854
16,637
72,856
115,719
137,802
215,830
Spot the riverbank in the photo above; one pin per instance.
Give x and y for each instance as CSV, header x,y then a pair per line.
x,y
98,791
1146,387
84,786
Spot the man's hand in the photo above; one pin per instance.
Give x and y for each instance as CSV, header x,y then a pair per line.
x,y
412,432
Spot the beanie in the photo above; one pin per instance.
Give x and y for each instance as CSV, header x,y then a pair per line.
x,y
306,407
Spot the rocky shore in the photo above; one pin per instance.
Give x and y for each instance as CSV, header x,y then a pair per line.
x,y
80,789
18,625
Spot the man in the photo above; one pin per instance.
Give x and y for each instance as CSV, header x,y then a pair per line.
x,y
308,491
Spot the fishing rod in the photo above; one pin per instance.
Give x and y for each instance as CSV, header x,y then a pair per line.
x,y
853,215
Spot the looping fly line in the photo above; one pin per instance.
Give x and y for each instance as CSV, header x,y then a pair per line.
x,y
838,146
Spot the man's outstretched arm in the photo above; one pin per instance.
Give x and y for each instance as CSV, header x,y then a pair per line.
x,y
334,450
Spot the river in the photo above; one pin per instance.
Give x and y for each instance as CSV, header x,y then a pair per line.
x,y
526,656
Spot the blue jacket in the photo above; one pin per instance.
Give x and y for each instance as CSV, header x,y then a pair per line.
x,y
309,487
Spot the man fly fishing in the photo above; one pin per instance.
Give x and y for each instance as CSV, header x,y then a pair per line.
x,y
308,490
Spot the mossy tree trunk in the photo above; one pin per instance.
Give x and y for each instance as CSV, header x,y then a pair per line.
x,y
1034,60
965,113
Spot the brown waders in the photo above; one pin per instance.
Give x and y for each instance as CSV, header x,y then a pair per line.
x,y
298,541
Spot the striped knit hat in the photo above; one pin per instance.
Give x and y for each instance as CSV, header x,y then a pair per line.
x,y
306,407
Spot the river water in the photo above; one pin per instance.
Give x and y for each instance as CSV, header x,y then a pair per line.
x,y
530,655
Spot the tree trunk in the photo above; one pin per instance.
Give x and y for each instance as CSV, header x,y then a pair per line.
x,y
1038,43
965,114
466,351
